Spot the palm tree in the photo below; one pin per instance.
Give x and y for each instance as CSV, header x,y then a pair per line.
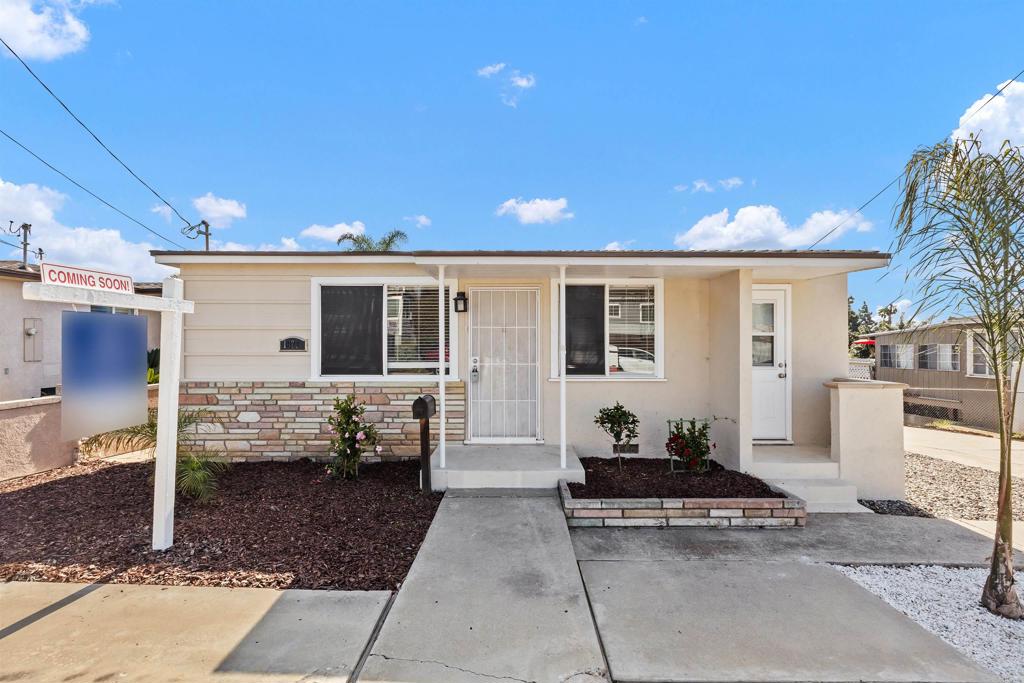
x,y
196,474
960,224
366,243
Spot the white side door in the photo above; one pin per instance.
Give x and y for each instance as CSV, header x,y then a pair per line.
x,y
504,377
771,374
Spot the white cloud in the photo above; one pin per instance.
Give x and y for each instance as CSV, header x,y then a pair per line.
x,y
731,183
420,220
702,186
536,210
763,227
617,246
163,211
44,30
100,248
681,187
1001,119
640,21
218,211
522,82
490,70
331,233
285,244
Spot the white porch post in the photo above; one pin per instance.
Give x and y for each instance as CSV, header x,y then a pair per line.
x,y
167,418
562,437
442,308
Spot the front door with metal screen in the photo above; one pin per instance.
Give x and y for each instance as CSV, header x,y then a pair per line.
x,y
504,369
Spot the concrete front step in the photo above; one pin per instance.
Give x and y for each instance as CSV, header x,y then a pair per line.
x,y
823,495
766,468
500,466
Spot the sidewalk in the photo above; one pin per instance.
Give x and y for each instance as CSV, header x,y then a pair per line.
x,y
495,594
967,449
55,632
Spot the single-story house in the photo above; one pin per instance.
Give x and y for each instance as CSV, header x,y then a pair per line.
x,y
755,340
946,370
30,348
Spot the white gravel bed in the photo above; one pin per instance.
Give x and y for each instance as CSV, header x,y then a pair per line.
x,y
945,601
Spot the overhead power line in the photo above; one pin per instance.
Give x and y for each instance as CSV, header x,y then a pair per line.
x,y
88,191
94,136
10,244
896,179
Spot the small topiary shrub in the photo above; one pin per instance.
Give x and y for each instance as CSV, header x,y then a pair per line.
x,y
353,436
689,445
621,425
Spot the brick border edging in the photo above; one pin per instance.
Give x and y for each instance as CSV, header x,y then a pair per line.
x,y
748,513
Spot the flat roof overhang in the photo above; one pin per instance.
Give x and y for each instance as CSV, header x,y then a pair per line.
x,y
787,265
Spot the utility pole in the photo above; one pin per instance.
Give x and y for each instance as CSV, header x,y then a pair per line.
x,y
200,228
24,231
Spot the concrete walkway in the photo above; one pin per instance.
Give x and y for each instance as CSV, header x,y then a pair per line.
x,y
967,449
834,538
156,634
494,595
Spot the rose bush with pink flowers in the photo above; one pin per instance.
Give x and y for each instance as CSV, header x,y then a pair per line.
x,y
353,436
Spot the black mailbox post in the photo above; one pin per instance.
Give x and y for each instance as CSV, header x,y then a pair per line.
x,y
423,409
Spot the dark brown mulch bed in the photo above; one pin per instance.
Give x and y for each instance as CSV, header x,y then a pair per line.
x,y
271,525
651,478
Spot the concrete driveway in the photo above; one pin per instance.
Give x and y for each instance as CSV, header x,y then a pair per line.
x,y
967,449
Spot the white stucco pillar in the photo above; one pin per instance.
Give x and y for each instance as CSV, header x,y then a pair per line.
x,y
562,436
442,308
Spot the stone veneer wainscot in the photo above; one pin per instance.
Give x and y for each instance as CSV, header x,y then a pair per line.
x,y
282,420
707,512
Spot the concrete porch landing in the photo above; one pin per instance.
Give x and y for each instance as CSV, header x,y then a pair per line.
x,y
808,472
503,466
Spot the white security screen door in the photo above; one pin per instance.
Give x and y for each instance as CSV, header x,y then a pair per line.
x,y
770,374
504,371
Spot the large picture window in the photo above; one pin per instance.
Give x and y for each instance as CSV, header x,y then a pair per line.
x,y
612,330
380,330
938,357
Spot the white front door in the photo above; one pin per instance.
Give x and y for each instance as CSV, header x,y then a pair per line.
x,y
504,368
770,375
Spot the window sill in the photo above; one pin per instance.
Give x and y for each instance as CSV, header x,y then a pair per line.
x,y
610,379
383,379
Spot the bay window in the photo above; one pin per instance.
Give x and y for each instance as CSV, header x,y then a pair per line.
x,y
379,330
613,329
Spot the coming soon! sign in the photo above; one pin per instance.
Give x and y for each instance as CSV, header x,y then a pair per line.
x,y
71,276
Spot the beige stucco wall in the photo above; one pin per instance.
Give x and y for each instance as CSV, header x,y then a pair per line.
x,y
729,367
30,437
18,378
869,457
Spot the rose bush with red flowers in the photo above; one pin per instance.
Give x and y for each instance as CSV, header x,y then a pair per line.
x,y
689,444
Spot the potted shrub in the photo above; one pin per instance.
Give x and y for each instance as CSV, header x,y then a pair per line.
x,y
353,436
689,445
622,426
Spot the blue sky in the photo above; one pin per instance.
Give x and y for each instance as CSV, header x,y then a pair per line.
x,y
630,123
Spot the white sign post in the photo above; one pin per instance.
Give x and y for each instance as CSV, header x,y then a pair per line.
x,y
102,290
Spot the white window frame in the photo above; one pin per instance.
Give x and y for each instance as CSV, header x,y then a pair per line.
x,y
659,329
314,342
618,311
938,357
970,359
896,356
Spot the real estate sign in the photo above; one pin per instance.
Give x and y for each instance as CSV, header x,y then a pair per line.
x,y
84,278
103,359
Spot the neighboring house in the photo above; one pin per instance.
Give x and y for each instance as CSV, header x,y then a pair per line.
x,y
750,338
30,344
946,371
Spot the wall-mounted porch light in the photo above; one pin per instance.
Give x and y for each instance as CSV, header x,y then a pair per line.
x,y
461,302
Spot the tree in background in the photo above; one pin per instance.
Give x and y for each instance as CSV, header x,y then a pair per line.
x,y
960,225
366,243
861,324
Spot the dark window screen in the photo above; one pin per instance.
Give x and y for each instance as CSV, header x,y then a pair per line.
x,y
584,330
351,330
